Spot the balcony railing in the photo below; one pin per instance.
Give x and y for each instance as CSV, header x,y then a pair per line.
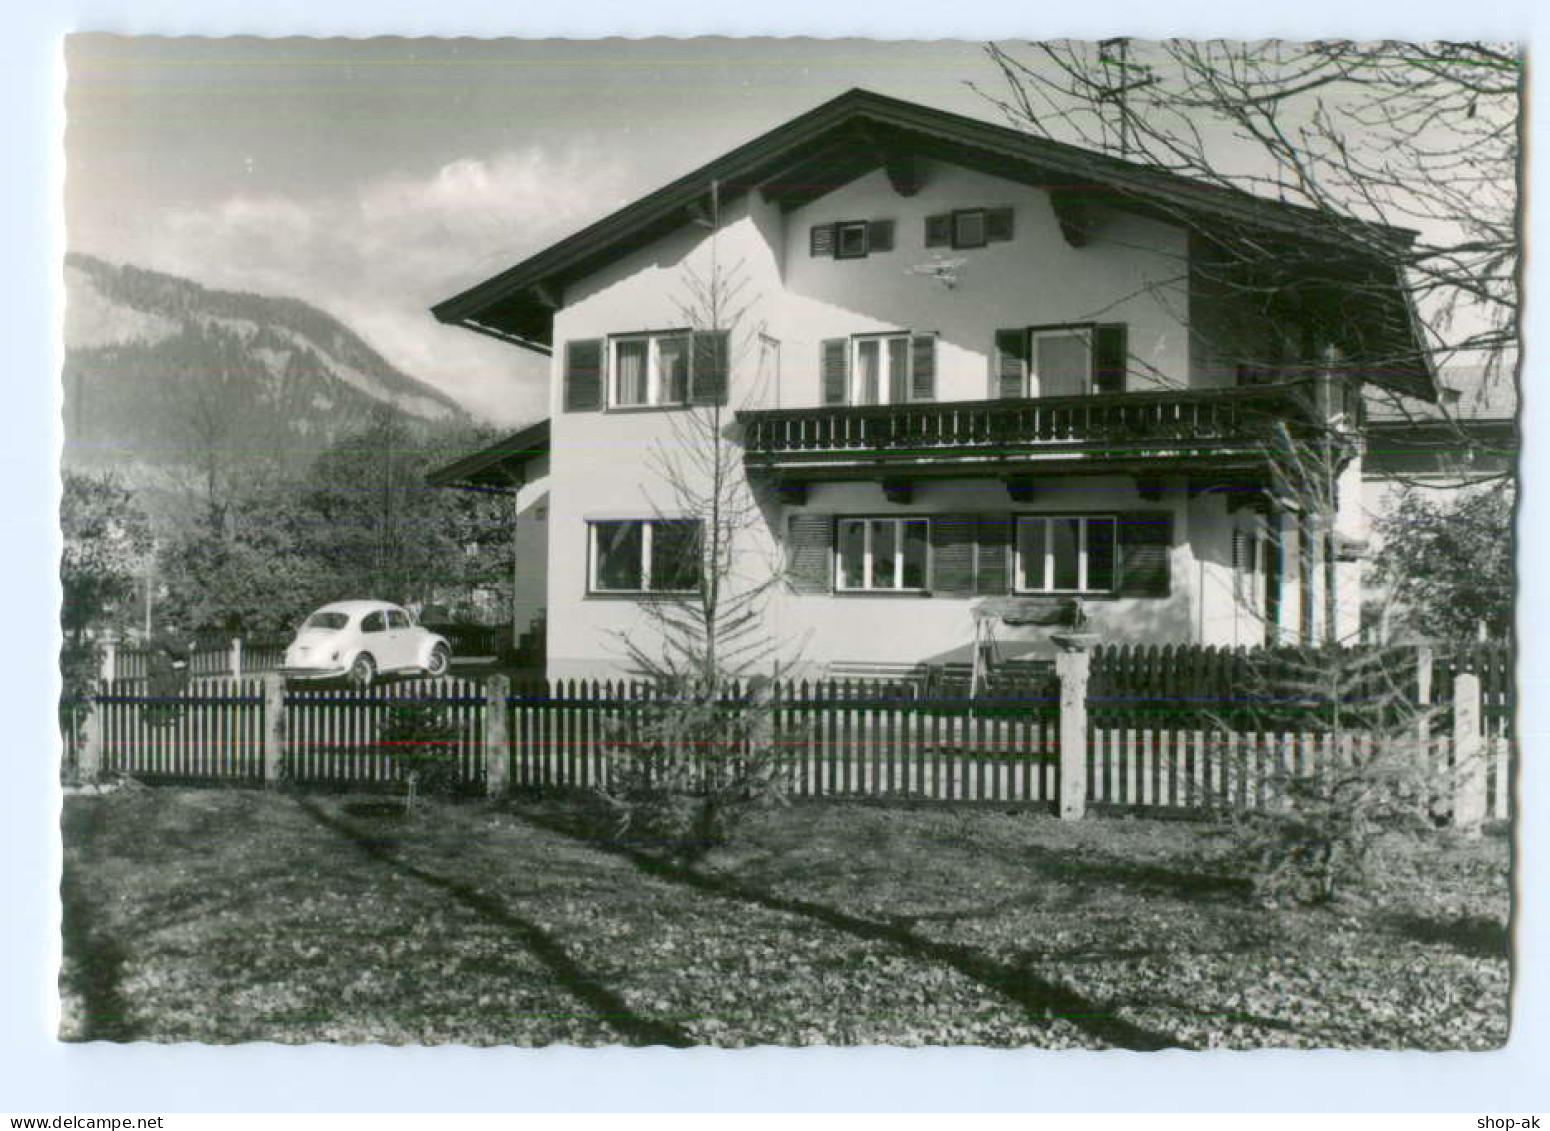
x,y
1115,424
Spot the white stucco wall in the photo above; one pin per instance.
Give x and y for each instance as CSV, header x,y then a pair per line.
x,y
607,465
1133,272
530,547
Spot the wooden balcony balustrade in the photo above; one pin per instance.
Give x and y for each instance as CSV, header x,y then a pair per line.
x,y
1115,425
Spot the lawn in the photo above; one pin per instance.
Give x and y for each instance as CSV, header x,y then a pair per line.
x,y
241,916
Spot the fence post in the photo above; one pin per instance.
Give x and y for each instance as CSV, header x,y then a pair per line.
x,y
109,660
236,657
274,728
1468,755
88,767
497,737
1073,666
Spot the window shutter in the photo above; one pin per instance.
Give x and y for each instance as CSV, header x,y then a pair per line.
x,y
880,235
810,553
992,564
1240,550
708,356
1145,540
923,367
584,375
939,230
998,225
1111,358
835,366
820,240
952,555
1011,376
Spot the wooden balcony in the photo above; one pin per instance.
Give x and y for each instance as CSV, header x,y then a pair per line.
x,y
1121,432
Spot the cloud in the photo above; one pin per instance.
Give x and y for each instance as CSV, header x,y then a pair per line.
x,y
379,256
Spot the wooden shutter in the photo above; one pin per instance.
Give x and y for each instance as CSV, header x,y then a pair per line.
x,y
993,555
1111,358
952,555
820,240
835,367
1145,539
939,230
708,358
923,367
584,375
998,225
880,235
810,553
1011,374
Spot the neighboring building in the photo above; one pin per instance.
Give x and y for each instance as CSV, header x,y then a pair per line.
x,y
1465,441
971,363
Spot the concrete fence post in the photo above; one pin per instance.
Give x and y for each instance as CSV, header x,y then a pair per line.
x,y
88,767
109,660
1468,755
1073,666
497,737
236,657
274,728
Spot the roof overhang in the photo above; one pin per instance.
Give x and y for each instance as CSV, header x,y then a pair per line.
x,y
859,131
503,466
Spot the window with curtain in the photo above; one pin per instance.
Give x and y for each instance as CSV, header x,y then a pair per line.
x,y
882,554
651,370
1066,554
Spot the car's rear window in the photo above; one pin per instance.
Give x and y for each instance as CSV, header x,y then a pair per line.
x,y
327,620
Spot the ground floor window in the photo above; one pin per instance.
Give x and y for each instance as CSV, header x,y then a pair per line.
x,y
1066,554
882,554
644,556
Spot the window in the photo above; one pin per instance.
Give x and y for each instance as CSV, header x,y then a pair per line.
x,y
850,239
644,556
374,622
874,369
650,370
882,554
1065,554
397,618
969,227
880,369
852,242
1062,362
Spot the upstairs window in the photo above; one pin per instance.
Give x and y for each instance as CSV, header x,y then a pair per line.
x,y
650,370
850,239
969,227
644,556
872,369
1060,361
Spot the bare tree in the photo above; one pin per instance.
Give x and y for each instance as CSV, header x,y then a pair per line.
x,y
1418,136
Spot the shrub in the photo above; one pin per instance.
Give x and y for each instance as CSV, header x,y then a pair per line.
x,y
422,743
1322,832
689,767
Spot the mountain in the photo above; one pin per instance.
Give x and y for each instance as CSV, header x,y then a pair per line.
x,y
163,373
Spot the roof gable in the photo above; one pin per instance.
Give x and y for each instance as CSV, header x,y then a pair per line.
x,y
858,132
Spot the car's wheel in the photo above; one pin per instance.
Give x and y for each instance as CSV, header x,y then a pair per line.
x,y
363,671
439,662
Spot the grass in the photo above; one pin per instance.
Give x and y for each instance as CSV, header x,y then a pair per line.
x,y
225,916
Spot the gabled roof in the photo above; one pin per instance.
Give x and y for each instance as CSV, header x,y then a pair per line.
x,y
500,467
859,131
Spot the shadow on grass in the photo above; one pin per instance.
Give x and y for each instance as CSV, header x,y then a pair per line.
x,y
1473,936
604,1002
93,961
1040,998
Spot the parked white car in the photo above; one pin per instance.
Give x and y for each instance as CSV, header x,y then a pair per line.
x,y
360,640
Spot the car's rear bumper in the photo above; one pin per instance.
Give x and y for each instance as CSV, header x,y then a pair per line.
x,y
314,673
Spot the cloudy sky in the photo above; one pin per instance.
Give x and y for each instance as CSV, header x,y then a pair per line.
x,y
375,177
